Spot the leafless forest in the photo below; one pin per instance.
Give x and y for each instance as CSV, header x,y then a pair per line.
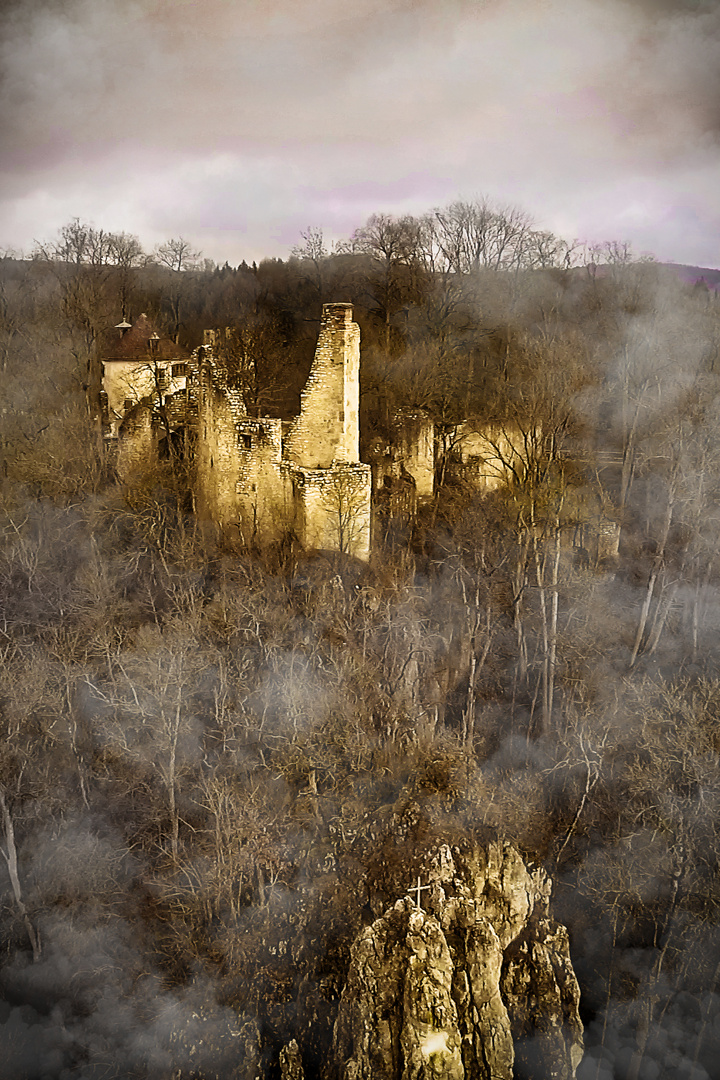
x,y
210,756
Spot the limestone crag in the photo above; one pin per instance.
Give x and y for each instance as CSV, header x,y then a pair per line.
x,y
540,990
475,984
291,1062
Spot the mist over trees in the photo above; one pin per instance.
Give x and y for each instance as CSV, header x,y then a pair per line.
x,y
210,755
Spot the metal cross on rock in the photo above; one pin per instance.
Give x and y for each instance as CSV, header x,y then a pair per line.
x,y
418,889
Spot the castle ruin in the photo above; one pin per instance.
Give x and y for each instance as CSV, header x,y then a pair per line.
x,y
259,479
267,478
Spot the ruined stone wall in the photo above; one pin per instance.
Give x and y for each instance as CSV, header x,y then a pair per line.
x,y
217,460
327,431
254,479
488,454
260,486
414,438
331,490
598,540
240,484
225,337
332,508
136,442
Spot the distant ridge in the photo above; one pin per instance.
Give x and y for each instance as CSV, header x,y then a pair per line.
x,y
689,275
696,275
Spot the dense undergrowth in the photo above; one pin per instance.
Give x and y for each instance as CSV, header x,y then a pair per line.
x,y
217,764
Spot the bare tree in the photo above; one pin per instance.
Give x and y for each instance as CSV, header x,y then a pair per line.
x,y
469,236
312,254
10,855
254,355
347,497
177,254
125,253
155,724
180,257
392,245
93,271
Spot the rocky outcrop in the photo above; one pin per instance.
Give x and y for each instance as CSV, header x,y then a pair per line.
x,y
539,988
291,1062
464,977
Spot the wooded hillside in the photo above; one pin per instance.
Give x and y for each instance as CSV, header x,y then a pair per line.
x,y
209,756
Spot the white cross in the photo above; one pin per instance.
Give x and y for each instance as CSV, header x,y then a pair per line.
x,y
418,889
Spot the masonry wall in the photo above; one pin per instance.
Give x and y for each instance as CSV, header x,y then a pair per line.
x,y
252,480
217,461
240,485
414,437
599,539
327,431
260,488
128,382
136,443
332,508
487,454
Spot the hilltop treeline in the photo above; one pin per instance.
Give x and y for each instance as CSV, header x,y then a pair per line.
x,y
217,764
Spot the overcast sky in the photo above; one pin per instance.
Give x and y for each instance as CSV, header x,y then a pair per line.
x,y
237,123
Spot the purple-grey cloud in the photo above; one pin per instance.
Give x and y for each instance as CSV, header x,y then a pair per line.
x,y
237,124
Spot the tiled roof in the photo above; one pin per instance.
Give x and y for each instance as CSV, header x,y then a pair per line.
x,y
134,344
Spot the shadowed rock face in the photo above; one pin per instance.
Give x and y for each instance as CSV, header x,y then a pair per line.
x,y
475,985
291,1062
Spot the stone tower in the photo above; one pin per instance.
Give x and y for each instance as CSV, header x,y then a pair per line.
x,y
310,483
327,431
331,488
